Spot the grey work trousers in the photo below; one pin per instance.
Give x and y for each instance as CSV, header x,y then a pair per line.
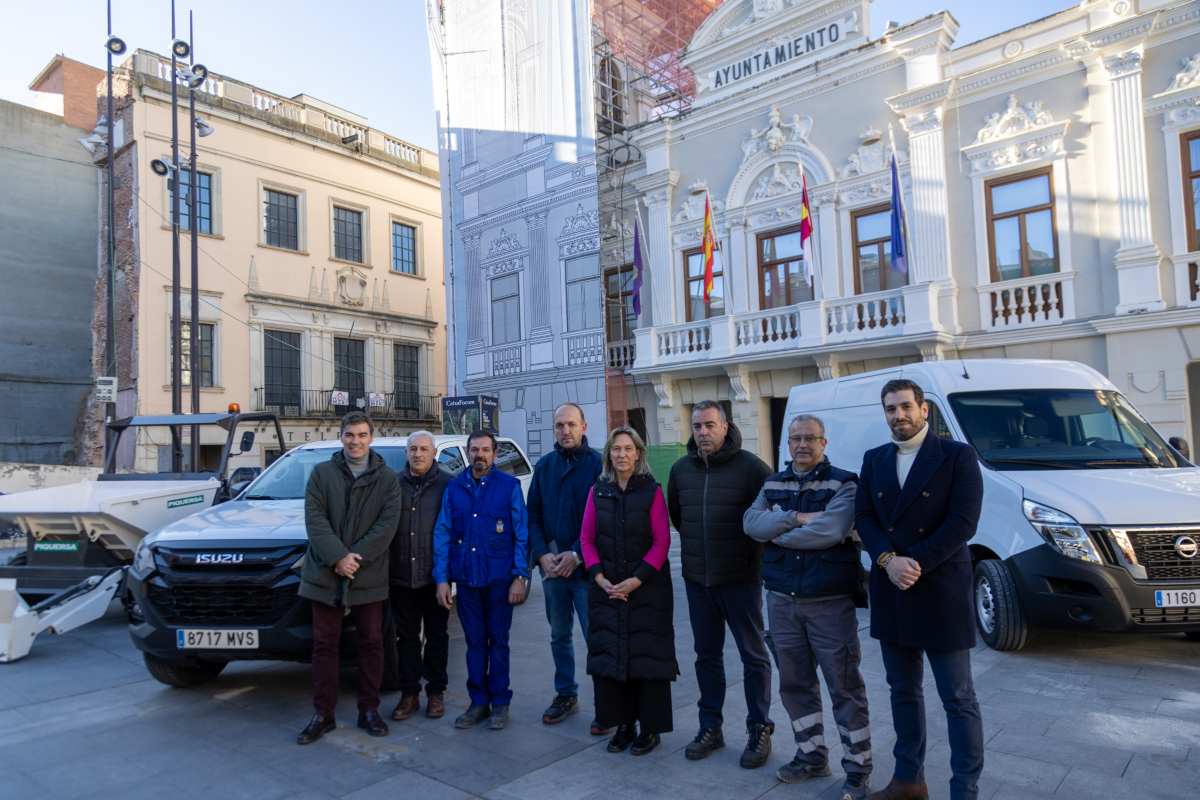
x,y
805,635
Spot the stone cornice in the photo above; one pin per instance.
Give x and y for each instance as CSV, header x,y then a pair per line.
x,y
1036,143
269,298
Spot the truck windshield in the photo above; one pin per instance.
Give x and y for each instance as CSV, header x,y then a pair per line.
x,y
1024,429
288,476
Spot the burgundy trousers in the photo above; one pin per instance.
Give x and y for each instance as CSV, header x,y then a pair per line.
x,y
327,635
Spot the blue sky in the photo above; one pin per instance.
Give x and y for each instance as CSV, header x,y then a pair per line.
x,y
370,57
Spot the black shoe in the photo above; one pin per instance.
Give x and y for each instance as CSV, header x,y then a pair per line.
x,y
796,771
644,743
625,736
856,787
317,727
707,741
563,706
372,723
758,746
597,729
499,719
472,716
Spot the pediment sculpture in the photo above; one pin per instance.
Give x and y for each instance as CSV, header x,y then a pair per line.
x,y
776,134
1015,118
872,155
1187,77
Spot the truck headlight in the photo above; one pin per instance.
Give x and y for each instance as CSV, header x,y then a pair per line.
x,y
143,560
1061,531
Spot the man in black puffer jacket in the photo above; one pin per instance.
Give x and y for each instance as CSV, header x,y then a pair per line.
x,y
708,493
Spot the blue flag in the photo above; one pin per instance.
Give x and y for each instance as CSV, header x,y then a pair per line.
x,y
899,243
637,269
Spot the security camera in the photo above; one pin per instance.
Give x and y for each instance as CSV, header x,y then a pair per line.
x,y
115,45
161,168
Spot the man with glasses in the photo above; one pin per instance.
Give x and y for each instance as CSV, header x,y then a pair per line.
x,y
804,515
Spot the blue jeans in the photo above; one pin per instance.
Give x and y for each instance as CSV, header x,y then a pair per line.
x,y
563,594
952,672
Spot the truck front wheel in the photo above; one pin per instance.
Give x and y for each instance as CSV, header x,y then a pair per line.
x,y
1193,635
182,674
997,609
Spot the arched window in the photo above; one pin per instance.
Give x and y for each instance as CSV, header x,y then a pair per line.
x,y
610,98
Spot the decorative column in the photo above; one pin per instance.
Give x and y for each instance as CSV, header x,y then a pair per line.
x,y
1138,284
539,274
826,251
475,290
657,191
735,261
928,213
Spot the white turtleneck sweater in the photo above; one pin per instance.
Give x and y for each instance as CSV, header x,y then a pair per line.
x,y
907,453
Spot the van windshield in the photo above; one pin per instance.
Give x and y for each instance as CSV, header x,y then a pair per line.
x,y
287,478
1059,429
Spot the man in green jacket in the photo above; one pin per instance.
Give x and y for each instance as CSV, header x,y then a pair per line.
x,y
351,508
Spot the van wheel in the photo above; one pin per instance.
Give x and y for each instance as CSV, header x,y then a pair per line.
x,y
1193,636
997,609
182,674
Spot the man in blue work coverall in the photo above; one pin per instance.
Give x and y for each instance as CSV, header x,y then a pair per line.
x,y
481,543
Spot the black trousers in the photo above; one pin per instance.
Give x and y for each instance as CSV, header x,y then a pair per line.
x,y
647,702
416,611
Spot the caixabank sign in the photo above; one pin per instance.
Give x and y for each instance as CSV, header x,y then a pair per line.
x,y
467,413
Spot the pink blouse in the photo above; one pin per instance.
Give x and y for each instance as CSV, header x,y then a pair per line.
x,y
660,531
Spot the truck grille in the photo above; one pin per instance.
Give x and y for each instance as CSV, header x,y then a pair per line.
x,y
222,605
1156,552
1169,616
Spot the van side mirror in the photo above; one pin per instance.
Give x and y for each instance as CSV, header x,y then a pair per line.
x,y
237,487
247,442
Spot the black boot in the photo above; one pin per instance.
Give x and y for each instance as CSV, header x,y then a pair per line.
x,y
621,740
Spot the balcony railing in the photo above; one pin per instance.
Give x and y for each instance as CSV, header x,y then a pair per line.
x,y
318,404
584,348
507,360
1027,302
905,311
621,354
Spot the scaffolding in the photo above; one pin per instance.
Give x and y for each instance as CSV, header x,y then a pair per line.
x,y
639,78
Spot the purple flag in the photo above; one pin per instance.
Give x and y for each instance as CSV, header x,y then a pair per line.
x,y
637,269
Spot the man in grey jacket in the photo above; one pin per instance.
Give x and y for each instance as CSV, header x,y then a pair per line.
x,y
351,507
804,515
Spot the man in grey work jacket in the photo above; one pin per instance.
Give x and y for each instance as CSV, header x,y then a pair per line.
x,y
805,517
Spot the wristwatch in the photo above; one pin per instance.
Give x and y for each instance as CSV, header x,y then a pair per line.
x,y
884,558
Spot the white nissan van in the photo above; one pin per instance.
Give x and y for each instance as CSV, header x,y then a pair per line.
x,y
1089,518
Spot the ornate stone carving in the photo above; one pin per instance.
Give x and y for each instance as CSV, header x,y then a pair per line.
x,y
923,122
1016,153
351,287
665,391
776,134
580,222
783,178
787,213
537,218
739,382
588,245
1015,118
1121,64
1185,114
1187,77
506,266
867,192
1012,49
693,206
504,243
872,155
828,365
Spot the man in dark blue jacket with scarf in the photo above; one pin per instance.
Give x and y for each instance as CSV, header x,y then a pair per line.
x,y
918,504
481,543
561,482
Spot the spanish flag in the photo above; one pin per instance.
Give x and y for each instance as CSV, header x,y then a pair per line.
x,y
806,227
708,241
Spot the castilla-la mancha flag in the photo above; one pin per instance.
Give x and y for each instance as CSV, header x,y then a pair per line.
x,y
708,241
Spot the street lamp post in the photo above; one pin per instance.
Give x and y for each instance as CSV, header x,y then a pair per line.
x,y
112,46
194,225
176,354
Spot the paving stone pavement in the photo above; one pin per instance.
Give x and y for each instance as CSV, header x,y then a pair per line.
x,y
1072,716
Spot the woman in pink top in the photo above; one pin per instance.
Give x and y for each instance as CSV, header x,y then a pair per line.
x,y
631,635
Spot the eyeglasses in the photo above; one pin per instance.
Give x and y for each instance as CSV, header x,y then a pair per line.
x,y
805,439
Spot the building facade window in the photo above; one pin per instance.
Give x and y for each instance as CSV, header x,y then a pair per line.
x,y
506,309
610,99
781,278
583,294
406,363
282,219
404,248
1020,214
693,274
619,319
347,234
871,229
349,371
281,369
203,200
206,331
1191,187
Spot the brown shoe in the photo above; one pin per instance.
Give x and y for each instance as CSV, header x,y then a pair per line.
x,y
901,790
408,705
436,707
